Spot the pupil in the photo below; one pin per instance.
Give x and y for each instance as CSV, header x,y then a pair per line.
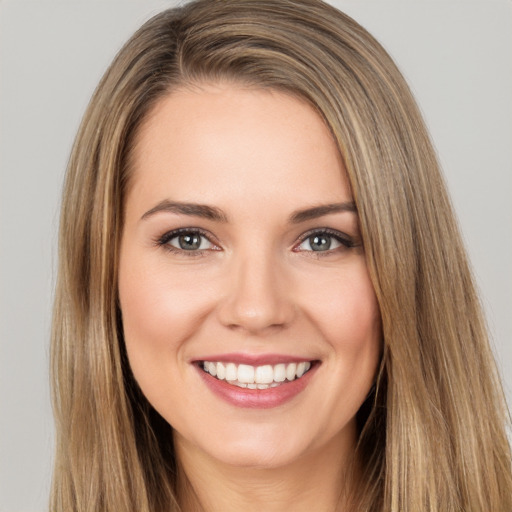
x,y
320,243
190,242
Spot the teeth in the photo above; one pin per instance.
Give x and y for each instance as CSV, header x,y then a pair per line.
x,y
290,371
279,373
221,370
212,369
301,368
256,377
264,374
245,373
231,371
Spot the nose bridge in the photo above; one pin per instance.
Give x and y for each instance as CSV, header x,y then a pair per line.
x,y
257,296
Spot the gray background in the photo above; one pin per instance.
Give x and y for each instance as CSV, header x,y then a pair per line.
x,y
457,56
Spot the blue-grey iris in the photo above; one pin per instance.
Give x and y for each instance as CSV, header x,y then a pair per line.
x,y
189,242
320,242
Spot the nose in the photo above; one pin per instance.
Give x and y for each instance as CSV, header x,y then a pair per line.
x,y
257,297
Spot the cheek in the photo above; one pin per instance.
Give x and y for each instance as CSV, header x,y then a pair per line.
x,y
153,298
351,325
160,311
346,310
348,316
354,332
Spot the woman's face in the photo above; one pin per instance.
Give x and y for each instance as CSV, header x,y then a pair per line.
x,y
242,267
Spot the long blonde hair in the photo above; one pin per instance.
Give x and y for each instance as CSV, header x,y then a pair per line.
x,y
433,430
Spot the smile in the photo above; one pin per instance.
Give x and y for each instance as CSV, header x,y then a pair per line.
x,y
256,377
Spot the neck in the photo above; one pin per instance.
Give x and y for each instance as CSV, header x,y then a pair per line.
x,y
320,481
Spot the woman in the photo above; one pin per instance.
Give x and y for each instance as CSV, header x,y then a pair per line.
x,y
263,300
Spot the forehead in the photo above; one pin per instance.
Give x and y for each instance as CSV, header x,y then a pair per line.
x,y
224,140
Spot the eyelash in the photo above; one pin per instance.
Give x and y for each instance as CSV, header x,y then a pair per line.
x,y
163,241
346,241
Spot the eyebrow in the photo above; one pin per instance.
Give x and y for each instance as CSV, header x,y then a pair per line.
x,y
194,209
319,211
216,214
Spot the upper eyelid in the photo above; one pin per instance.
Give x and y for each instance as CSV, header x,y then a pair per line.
x,y
328,231
176,232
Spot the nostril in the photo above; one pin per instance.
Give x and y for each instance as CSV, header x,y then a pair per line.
x,y
269,316
255,297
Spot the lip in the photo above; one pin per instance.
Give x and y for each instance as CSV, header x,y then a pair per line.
x,y
257,398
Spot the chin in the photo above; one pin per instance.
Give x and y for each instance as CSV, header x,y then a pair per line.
x,y
258,455
257,447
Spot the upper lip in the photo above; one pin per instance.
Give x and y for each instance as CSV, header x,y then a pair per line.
x,y
253,359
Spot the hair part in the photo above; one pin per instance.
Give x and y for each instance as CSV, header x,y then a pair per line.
x,y
432,431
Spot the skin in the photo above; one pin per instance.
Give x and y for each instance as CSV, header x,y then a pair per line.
x,y
255,287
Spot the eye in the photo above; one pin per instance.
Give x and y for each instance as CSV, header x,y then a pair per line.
x,y
319,243
324,241
190,242
186,241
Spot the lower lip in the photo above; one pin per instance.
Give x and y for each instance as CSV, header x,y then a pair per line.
x,y
257,398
